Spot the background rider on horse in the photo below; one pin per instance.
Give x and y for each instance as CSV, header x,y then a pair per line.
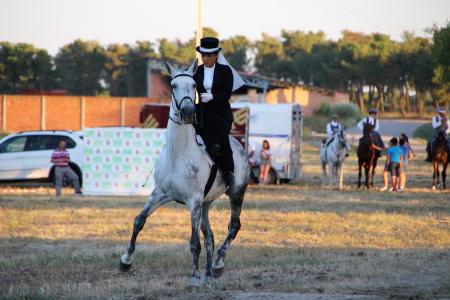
x,y
372,120
332,128
439,123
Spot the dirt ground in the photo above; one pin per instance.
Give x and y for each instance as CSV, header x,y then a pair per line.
x,y
297,241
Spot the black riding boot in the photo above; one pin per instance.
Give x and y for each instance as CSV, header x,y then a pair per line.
x,y
220,159
229,179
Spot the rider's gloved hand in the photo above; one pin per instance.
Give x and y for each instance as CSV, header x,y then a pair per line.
x,y
206,97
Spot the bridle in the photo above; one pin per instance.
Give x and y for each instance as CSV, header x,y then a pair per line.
x,y
177,106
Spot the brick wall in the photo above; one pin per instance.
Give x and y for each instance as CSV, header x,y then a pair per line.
x,y
62,112
25,113
310,99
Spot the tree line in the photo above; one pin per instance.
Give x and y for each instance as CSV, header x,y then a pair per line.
x,y
374,69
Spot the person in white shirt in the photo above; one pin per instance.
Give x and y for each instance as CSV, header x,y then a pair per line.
x,y
333,127
372,119
439,123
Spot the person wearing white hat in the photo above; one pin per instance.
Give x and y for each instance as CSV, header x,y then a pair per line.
x,y
216,80
439,123
372,119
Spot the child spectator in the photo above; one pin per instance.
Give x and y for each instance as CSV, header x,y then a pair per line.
x,y
407,155
265,158
394,161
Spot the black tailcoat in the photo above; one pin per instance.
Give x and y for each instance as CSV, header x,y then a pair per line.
x,y
215,117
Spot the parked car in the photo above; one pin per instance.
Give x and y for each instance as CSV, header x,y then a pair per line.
x,y
27,155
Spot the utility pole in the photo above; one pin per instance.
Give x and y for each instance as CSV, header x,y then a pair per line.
x,y
199,25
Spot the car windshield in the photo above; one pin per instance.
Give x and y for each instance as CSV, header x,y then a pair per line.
x,y
47,142
15,144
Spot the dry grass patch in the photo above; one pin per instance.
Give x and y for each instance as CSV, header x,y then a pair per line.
x,y
294,239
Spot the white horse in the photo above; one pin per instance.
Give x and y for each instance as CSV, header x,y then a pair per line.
x,y
181,175
333,155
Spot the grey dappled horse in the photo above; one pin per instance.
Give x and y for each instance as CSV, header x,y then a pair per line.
x,y
334,156
181,174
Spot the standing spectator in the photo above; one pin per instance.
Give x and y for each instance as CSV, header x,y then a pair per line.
x,y
61,158
407,155
394,162
265,158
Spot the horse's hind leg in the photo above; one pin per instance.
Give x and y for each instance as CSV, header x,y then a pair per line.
x,y
236,200
324,173
444,175
434,176
155,200
209,241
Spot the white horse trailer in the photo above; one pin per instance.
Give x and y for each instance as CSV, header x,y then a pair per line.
x,y
281,126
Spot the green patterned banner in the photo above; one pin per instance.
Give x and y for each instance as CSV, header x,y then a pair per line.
x,y
117,161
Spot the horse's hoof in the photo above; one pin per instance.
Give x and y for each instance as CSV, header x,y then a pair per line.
x,y
195,283
433,187
217,271
208,281
124,267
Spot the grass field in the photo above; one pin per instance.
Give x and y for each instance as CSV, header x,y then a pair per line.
x,y
298,240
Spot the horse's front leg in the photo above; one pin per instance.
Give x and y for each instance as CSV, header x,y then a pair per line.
x,y
195,207
236,200
359,173
331,177
367,173
155,200
444,175
208,241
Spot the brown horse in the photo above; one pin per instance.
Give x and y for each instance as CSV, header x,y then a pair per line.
x,y
441,155
367,155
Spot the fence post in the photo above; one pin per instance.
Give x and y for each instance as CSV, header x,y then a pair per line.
x,y
43,104
4,113
122,111
82,113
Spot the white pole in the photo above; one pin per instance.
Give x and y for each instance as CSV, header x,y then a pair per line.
x,y
199,26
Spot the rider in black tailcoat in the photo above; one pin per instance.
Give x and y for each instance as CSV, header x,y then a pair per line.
x,y
214,86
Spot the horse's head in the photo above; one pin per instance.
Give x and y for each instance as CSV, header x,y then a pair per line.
x,y
367,129
183,94
341,137
441,135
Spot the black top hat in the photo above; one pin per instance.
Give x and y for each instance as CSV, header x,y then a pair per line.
x,y
373,111
209,45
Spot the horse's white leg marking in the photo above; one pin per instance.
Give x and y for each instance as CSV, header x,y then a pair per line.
x,y
155,200
208,240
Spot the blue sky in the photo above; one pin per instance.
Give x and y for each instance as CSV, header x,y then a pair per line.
x,y
51,24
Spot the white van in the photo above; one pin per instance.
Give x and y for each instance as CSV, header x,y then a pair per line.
x,y
281,126
27,155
